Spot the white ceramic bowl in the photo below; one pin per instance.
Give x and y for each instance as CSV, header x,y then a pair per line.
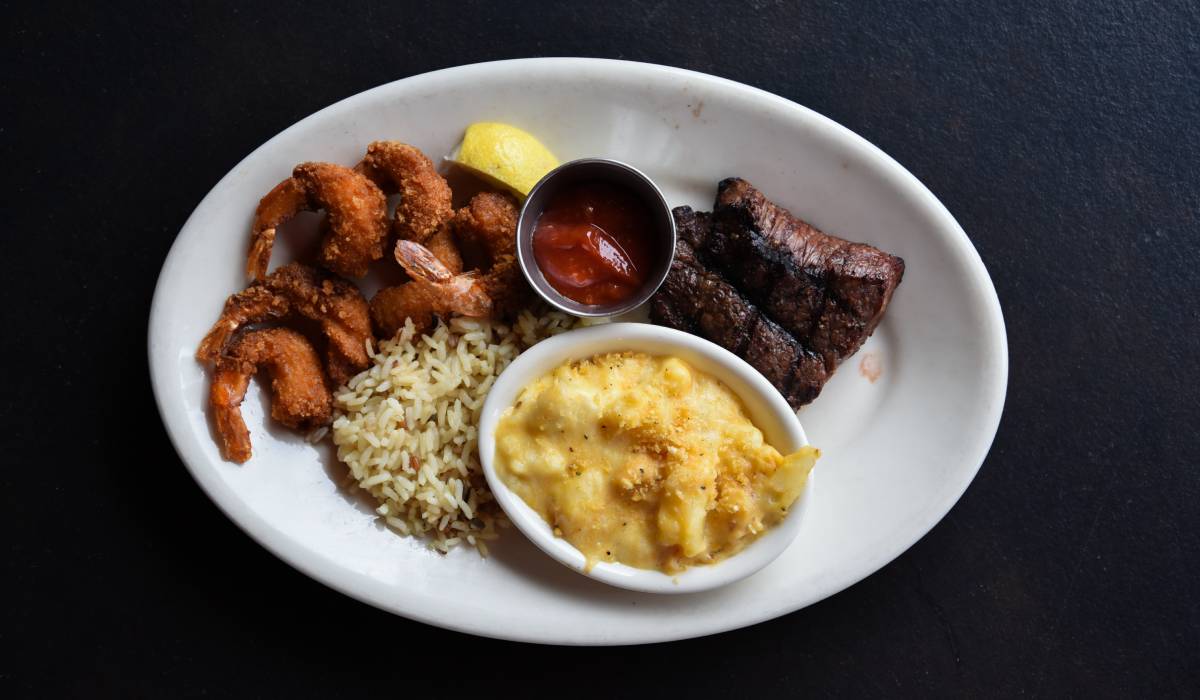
x,y
767,409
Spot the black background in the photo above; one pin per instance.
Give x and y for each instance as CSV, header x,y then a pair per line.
x,y
1064,139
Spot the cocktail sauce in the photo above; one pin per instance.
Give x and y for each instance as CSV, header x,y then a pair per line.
x,y
594,242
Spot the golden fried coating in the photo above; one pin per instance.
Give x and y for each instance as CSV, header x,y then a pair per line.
x,y
434,289
355,229
254,304
338,306
442,245
298,290
392,305
299,399
424,194
489,221
356,215
489,224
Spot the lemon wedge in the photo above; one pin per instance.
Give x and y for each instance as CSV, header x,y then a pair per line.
x,y
505,155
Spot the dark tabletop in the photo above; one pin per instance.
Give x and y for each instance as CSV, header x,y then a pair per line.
x,y
1064,140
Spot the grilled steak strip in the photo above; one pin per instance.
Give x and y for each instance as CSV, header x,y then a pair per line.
x,y
827,292
699,301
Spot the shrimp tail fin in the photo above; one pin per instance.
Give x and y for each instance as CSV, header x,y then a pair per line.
x,y
462,294
280,204
468,296
210,347
225,396
420,262
260,254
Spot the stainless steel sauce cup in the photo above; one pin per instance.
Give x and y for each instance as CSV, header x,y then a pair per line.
x,y
592,170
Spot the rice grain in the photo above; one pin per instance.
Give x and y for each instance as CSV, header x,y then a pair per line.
x,y
407,425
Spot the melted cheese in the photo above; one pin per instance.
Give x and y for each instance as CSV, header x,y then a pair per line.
x,y
646,461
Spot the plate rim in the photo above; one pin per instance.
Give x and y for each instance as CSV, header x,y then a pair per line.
x,y
310,562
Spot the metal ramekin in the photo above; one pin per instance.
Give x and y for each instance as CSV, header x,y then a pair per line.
x,y
593,169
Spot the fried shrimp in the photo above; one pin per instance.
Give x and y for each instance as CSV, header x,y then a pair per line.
x,y
299,400
434,289
298,290
355,227
424,194
340,309
488,225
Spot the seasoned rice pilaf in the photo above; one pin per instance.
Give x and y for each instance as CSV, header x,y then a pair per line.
x,y
407,426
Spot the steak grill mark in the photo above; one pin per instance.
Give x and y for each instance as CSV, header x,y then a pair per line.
x,y
791,300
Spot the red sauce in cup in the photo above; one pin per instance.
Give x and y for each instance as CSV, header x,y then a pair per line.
x,y
594,242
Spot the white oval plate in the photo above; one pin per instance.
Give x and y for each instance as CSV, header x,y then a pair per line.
x,y
898,451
